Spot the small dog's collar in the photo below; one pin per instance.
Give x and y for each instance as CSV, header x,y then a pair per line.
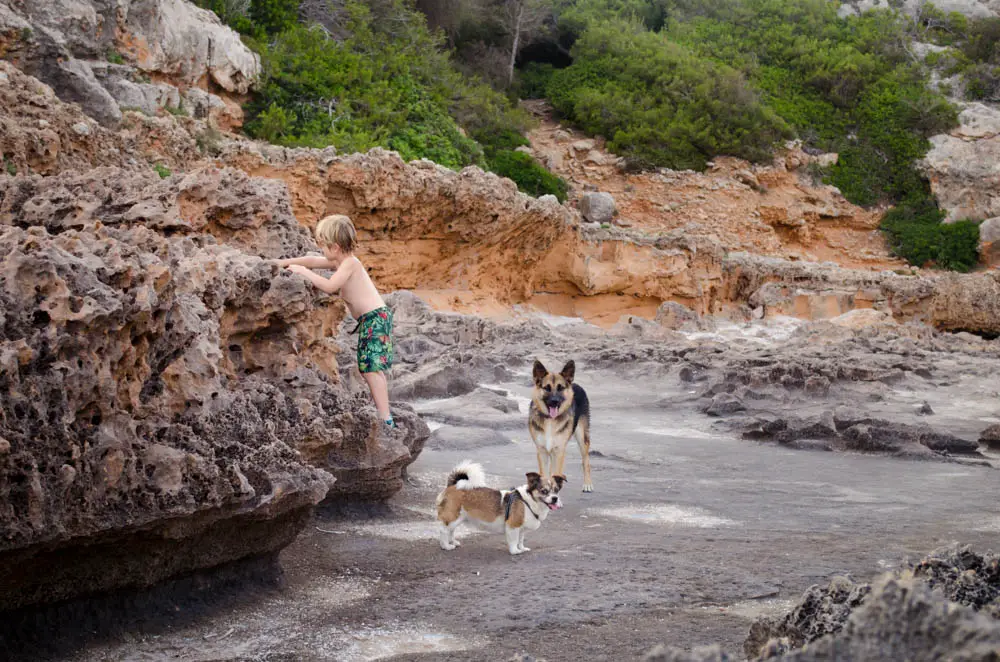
x,y
508,501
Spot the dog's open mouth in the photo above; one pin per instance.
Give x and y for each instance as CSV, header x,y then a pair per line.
x,y
554,506
553,411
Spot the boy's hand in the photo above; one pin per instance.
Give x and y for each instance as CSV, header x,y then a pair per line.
x,y
298,269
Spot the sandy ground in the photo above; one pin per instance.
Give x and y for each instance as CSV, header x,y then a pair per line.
x,y
688,537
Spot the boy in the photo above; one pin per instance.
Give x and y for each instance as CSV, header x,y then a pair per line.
x,y
338,240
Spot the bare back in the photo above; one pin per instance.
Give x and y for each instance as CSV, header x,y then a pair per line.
x,y
359,292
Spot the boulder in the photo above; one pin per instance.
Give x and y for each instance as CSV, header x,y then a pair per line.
x,y
989,242
991,436
597,207
171,403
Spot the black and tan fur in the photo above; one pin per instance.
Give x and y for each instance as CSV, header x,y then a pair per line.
x,y
559,409
466,496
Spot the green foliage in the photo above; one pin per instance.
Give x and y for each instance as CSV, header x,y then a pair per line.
x,y
982,82
114,57
162,170
274,16
9,166
177,111
369,90
575,16
533,80
530,177
658,103
915,233
257,19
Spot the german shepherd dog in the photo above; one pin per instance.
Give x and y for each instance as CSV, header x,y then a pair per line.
x,y
559,409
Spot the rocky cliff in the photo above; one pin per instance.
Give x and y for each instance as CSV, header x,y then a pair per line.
x,y
145,55
171,399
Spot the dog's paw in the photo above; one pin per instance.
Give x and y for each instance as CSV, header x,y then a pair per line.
x,y
516,551
524,549
448,546
456,543
588,487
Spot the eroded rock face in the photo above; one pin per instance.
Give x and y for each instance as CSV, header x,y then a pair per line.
x,y
962,165
66,43
41,134
425,228
171,402
923,611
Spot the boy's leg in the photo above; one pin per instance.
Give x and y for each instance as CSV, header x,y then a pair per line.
x,y
379,388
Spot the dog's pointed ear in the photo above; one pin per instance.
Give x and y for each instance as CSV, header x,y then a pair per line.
x,y
560,481
538,372
534,480
569,371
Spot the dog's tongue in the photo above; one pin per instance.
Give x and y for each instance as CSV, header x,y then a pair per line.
x,y
554,506
553,411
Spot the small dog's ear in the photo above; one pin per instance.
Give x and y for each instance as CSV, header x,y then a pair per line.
x,y
569,371
560,480
538,372
534,480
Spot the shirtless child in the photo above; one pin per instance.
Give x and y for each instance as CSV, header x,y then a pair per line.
x,y
338,240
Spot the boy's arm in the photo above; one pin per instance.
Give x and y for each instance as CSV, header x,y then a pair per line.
x,y
330,285
311,261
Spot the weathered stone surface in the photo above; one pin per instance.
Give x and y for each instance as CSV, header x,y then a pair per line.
x,y
962,165
677,317
924,610
67,41
450,437
989,242
970,8
991,436
597,207
43,135
167,396
904,619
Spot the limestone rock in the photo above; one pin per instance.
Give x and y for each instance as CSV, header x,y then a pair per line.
x,y
171,402
991,436
963,165
677,317
597,207
179,42
989,242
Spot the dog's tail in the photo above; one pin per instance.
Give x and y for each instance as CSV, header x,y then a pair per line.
x,y
467,475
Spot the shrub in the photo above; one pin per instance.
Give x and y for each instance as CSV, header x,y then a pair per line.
x,y
660,104
162,170
533,80
916,234
370,89
530,177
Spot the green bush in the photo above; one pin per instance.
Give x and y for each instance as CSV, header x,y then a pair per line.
x,y
530,177
369,90
916,234
658,103
257,19
982,82
114,57
162,170
533,80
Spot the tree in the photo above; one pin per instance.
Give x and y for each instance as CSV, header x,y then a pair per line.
x,y
523,21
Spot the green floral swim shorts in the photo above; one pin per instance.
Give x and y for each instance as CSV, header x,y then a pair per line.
x,y
375,340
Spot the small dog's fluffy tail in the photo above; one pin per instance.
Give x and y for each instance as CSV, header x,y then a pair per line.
x,y
467,475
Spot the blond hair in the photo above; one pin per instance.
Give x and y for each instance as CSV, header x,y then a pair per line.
x,y
337,229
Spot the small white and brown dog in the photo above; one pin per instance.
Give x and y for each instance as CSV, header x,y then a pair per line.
x,y
513,511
